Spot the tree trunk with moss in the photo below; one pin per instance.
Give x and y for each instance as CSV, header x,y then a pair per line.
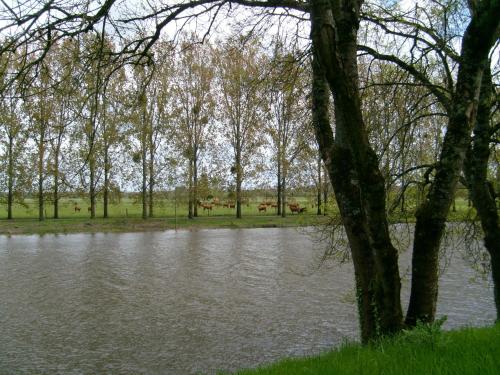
x,y
478,39
353,166
482,191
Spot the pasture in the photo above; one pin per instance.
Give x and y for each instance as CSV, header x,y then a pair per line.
x,y
131,207
170,213
126,216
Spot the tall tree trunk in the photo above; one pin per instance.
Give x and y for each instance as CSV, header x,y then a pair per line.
x,y
482,192
190,190
40,186
478,39
238,169
105,197
41,152
353,168
195,183
283,194
56,181
278,187
92,191
144,179
238,182
318,200
144,153
151,173
10,182
325,191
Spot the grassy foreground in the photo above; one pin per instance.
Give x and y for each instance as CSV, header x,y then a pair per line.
x,y
425,350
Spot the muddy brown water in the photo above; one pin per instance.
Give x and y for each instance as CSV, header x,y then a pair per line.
x,y
187,301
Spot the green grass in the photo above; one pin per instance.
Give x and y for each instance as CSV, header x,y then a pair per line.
x,y
129,207
125,216
422,351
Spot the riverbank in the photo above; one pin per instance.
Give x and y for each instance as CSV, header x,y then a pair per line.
x,y
422,351
86,225
137,224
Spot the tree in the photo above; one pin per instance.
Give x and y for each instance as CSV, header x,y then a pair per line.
x,y
161,94
459,100
483,192
113,134
406,135
238,67
63,95
192,88
142,120
287,122
11,127
91,99
39,108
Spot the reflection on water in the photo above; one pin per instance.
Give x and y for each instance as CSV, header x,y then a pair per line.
x,y
184,302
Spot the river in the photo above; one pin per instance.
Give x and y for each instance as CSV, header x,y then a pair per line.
x,y
187,301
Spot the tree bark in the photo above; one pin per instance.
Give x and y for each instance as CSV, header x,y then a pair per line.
x,y
10,182
106,181
278,187
57,154
56,181
482,192
238,180
325,191
190,190
195,183
353,168
318,198
144,153
41,154
151,173
144,176
478,39
92,192
283,194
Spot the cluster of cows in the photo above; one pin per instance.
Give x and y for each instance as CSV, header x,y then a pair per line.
x,y
208,206
78,208
294,207
262,207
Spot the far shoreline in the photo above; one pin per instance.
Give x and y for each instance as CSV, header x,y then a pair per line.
x,y
134,224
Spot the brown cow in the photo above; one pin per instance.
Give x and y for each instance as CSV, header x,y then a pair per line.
x,y
228,204
294,207
262,207
77,208
207,207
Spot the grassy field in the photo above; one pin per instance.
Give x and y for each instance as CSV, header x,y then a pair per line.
x,y
425,350
125,216
129,207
